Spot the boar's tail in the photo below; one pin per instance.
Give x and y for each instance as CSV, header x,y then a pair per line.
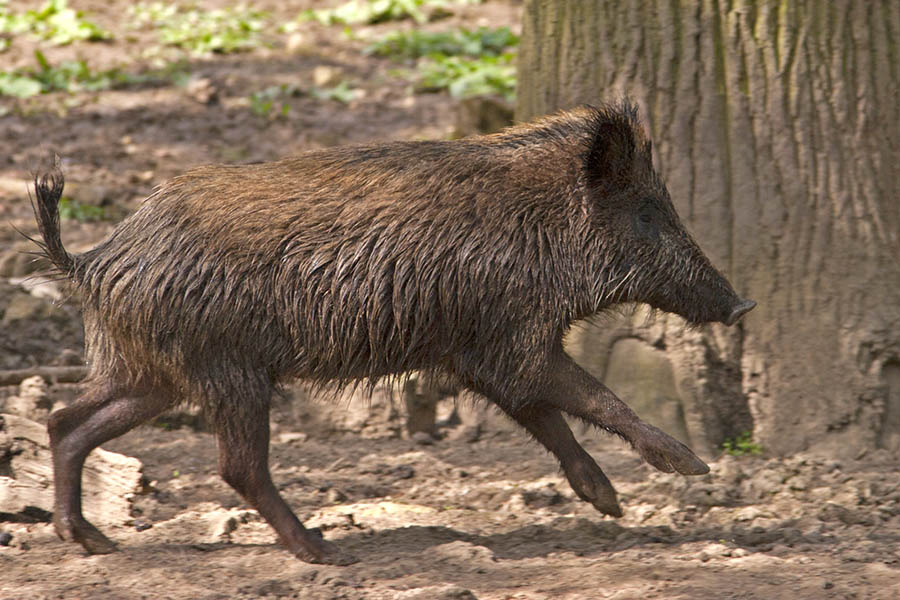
x,y
48,188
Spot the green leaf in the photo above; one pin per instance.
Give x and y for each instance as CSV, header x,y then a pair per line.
x,y
231,29
20,86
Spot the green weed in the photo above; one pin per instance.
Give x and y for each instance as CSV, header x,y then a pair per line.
x,y
483,41
378,11
232,29
69,76
19,86
54,22
263,102
742,445
75,76
153,14
464,77
84,213
342,93
72,76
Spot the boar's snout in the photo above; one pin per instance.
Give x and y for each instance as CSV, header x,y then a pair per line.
x,y
739,310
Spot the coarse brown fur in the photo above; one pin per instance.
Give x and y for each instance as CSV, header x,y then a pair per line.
x,y
468,259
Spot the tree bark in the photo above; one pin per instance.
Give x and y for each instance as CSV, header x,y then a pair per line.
x,y
777,128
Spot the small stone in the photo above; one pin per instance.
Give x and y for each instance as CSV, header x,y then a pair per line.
x,y
292,436
464,552
437,592
142,524
798,482
222,525
403,472
325,76
32,402
335,495
748,513
711,494
5,538
542,497
296,41
202,90
33,387
827,585
713,550
325,520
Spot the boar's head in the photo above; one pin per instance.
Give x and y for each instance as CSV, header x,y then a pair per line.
x,y
643,251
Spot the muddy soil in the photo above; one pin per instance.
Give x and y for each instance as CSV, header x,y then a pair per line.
x,y
478,513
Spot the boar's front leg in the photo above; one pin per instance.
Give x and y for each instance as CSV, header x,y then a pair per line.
x,y
572,390
586,478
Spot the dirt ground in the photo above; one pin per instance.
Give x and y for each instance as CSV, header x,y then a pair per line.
x,y
483,516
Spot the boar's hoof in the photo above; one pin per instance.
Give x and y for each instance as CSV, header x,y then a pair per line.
x,y
90,538
666,453
739,311
326,553
591,485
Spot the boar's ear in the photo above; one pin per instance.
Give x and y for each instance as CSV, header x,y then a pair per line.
x,y
611,156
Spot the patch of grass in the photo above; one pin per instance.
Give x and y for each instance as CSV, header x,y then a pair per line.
x,y
54,22
463,62
483,41
221,31
264,102
71,76
742,445
464,77
379,11
83,213
74,76
153,14
342,93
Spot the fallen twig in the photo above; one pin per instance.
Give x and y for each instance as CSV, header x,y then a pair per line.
x,y
70,374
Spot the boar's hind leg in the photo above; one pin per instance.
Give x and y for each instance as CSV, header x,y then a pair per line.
x,y
242,426
574,391
99,415
586,478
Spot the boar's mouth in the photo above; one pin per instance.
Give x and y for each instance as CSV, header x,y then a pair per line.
x,y
739,310
705,304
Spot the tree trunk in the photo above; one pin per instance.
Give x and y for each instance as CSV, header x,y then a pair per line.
x,y
777,128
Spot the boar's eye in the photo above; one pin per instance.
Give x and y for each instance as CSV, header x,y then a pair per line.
x,y
646,222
